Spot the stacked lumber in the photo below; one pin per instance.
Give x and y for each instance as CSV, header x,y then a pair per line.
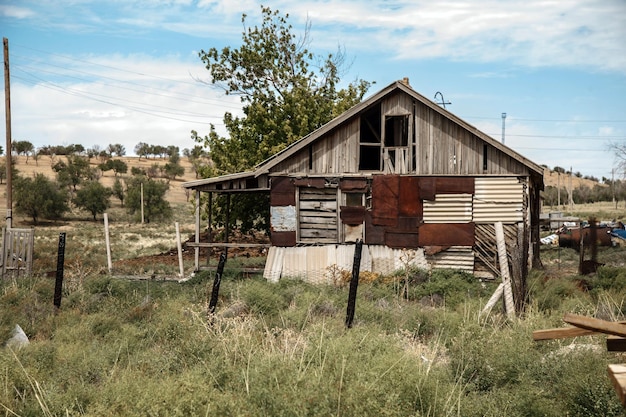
x,y
585,326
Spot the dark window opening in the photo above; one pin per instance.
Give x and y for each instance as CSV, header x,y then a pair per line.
x,y
396,131
354,199
369,158
370,125
310,156
485,148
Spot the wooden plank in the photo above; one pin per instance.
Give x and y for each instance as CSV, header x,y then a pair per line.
x,y
561,333
590,323
226,245
615,344
617,373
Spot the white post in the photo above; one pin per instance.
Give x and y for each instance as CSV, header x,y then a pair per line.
x,y
494,298
180,252
107,241
504,270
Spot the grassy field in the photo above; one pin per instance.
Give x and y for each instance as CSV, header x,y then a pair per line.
x,y
120,347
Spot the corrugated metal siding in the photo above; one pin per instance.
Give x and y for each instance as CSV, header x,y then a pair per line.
x,y
318,264
498,199
456,257
449,208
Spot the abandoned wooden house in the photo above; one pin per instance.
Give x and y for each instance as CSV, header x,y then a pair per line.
x,y
416,183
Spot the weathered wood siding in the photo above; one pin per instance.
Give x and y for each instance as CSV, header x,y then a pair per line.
x,y
440,147
336,153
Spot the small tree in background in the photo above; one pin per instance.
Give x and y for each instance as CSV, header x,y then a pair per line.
x,y
72,172
118,190
39,197
93,197
156,207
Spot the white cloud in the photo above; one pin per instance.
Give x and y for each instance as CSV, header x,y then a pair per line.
x,y
15,11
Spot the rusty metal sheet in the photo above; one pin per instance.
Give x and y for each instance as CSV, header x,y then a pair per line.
x,y
374,235
408,224
283,238
310,182
352,215
446,234
427,188
353,184
385,191
282,192
409,202
398,240
454,185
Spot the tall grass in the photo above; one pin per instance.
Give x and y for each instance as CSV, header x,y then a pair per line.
x,y
149,348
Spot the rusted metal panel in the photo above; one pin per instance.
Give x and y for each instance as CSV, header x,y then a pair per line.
x,y
449,208
282,192
374,234
310,182
454,185
385,191
283,238
427,188
352,215
399,239
408,224
353,184
409,202
444,234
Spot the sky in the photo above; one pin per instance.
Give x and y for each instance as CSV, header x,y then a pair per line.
x,y
96,72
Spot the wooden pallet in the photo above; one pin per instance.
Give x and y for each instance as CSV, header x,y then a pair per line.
x,y
585,326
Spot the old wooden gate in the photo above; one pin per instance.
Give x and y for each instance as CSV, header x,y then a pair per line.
x,y
17,251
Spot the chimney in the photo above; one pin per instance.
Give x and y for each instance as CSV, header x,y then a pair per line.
x,y
405,81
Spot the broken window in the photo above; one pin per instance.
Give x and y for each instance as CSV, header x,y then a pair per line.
x,y
370,140
396,131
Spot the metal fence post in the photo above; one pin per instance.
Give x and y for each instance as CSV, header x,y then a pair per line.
x,y
354,283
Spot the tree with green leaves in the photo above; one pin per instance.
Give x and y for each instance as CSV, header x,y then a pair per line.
x,y
39,197
72,171
117,165
116,149
93,197
156,207
23,147
286,91
118,190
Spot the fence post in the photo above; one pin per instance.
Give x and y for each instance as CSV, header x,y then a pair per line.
x,y
354,282
58,284
216,283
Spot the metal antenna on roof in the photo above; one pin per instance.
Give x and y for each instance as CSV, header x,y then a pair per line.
x,y
443,102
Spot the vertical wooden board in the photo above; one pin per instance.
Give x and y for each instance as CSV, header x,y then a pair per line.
x,y
409,202
385,191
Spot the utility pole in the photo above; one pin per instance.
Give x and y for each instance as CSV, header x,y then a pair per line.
x,y
503,119
7,111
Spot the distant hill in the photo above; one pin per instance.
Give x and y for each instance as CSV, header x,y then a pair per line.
x,y
176,194
553,179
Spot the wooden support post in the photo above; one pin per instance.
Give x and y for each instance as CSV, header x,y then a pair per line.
x,y
354,283
107,242
180,252
58,283
196,253
216,283
504,270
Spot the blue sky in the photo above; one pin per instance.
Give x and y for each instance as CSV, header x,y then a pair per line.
x,y
125,71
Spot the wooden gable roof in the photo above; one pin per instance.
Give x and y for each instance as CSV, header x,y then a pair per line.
x,y
265,166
